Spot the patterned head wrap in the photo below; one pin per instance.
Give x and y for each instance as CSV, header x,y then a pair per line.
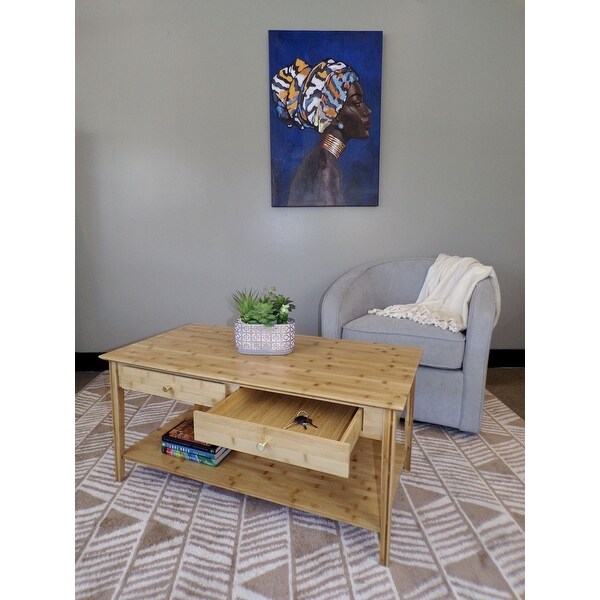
x,y
307,96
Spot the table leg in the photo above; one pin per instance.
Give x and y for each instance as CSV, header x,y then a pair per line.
x,y
408,426
388,454
117,395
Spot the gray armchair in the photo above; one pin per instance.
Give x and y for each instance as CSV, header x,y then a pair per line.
x,y
451,377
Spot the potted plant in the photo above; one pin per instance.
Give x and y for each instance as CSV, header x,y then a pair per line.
x,y
264,326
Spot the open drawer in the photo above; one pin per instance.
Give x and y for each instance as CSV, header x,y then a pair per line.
x,y
254,422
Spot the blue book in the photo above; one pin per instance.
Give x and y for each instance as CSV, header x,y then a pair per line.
x,y
182,448
194,457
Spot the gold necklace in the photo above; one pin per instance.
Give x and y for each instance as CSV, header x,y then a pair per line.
x,y
333,145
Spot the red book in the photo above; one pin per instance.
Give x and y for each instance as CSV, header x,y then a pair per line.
x,y
183,434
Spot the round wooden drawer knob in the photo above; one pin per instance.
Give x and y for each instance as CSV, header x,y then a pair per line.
x,y
261,445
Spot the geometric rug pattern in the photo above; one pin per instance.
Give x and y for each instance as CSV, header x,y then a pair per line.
x,y
458,522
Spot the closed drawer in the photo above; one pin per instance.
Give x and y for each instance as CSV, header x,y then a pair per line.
x,y
254,422
178,387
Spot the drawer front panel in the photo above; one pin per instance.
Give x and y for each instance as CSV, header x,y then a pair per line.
x,y
185,389
282,445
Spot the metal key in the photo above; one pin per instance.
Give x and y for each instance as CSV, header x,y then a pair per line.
x,y
304,421
301,418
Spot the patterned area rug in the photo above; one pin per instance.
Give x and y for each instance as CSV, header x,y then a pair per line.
x,y
458,522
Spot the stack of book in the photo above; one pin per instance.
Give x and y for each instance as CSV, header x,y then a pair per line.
x,y
180,442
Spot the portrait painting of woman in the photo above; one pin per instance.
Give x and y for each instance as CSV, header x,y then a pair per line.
x,y
325,118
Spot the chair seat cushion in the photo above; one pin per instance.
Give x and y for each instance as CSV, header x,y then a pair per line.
x,y
441,349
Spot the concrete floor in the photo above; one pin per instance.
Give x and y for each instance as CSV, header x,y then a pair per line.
x,y
507,384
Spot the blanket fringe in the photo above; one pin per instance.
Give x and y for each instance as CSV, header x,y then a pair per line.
x,y
419,314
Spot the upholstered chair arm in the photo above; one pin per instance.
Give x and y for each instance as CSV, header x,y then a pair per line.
x,y
348,298
480,324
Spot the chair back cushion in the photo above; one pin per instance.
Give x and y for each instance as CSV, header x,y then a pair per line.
x,y
395,281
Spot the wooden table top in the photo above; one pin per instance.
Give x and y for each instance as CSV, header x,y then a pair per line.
x,y
349,372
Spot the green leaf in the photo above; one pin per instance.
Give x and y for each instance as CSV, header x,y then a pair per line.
x,y
268,309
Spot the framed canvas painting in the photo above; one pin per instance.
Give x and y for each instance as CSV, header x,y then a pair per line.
x,y
325,117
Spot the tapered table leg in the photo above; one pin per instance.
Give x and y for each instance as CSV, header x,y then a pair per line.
x,y
117,395
388,454
408,426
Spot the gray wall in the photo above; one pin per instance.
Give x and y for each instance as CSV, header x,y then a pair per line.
x,y
173,171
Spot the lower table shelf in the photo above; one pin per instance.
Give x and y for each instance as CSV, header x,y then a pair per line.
x,y
355,500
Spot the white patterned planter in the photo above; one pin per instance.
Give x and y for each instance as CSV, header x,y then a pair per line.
x,y
258,339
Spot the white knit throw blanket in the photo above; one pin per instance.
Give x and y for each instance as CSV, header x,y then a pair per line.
x,y
444,298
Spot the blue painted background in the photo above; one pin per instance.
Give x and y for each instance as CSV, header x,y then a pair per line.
x,y
362,50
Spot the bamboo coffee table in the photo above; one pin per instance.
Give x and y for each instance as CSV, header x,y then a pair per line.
x,y
347,470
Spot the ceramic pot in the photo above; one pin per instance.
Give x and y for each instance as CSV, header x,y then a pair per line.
x,y
258,339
